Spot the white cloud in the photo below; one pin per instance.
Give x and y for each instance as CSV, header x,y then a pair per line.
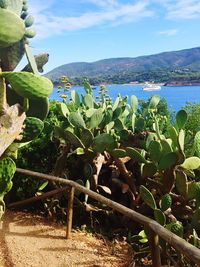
x,y
169,32
103,3
181,9
110,13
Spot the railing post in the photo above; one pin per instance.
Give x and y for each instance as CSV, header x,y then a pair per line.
x,y
70,211
155,249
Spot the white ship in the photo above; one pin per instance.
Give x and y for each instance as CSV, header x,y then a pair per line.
x,y
151,87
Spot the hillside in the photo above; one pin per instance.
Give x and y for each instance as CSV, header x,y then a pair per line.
x,y
186,60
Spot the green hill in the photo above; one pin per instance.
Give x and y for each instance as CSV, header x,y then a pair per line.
x,y
183,61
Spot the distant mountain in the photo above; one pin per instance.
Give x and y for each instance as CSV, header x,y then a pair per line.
x,y
187,59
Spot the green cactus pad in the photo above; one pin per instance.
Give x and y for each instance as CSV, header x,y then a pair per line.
x,y
10,34
96,118
167,161
75,98
7,170
134,103
166,146
173,135
72,139
104,142
135,155
64,109
181,183
28,84
166,202
196,144
24,14
140,124
87,137
76,119
154,102
181,118
30,33
116,103
176,228
116,113
193,189
29,21
191,163
149,169
159,216
119,153
38,107
155,150
89,101
147,197
33,127
11,56
181,139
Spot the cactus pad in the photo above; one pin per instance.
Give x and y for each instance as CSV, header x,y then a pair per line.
x,y
33,127
76,119
159,216
167,161
197,144
176,228
96,118
166,202
9,34
149,169
135,155
181,118
29,21
181,183
147,197
11,56
87,137
119,153
28,84
7,170
191,163
103,142
38,107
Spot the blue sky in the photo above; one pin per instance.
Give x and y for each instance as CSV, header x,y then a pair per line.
x,y
89,30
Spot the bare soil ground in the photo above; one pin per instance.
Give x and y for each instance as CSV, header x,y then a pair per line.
x,y
28,240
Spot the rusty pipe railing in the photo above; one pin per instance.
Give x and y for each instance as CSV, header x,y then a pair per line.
x,y
156,230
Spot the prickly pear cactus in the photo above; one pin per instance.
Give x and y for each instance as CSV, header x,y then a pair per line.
x,y
29,85
9,34
20,92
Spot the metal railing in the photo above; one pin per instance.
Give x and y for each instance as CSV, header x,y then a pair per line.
x,y
155,229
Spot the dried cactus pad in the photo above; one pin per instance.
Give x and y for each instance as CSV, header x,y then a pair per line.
x,y
29,85
12,28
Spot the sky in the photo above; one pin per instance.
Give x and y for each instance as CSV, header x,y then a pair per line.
x,y
90,30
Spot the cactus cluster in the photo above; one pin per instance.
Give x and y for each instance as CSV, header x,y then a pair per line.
x,y
144,150
23,95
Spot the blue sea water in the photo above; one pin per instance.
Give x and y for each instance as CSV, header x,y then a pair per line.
x,y
176,96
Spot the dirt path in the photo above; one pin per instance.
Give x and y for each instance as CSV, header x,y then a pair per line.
x,y
28,240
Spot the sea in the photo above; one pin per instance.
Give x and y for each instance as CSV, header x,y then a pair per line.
x,y
176,97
